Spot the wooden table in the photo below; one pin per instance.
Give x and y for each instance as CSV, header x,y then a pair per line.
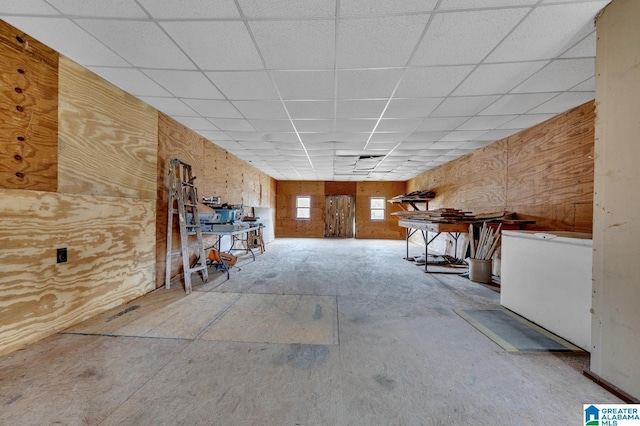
x,y
425,226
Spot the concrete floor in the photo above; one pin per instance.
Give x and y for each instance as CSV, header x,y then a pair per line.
x,y
314,332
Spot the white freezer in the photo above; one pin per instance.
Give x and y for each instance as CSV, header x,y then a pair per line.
x,y
546,278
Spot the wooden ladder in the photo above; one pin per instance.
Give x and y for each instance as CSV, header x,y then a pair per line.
x,y
182,192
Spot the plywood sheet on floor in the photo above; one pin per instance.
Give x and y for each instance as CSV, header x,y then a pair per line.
x,y
272,318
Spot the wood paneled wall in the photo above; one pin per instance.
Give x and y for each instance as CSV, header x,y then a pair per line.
x,y
218,173
544,173
372,229
288,226
28,112
111,260
107,138
286,223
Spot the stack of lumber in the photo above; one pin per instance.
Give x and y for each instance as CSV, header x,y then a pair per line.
x,y
438,215
487,242
415,196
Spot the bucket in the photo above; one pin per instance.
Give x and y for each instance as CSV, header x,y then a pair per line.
x,y
480,270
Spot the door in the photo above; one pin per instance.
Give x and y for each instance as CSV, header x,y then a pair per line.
x,y
339,216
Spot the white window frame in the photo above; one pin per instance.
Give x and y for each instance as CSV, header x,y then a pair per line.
x,y
373,209
300,209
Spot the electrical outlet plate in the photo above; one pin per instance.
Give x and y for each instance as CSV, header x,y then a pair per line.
x,y
61,255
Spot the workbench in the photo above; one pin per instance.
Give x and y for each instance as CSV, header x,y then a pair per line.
x,y
424,226
237,233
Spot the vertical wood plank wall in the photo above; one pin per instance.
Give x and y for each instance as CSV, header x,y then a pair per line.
x,y
288,226
217,172
544,173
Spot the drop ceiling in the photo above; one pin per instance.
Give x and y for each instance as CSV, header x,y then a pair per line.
x,y
346,90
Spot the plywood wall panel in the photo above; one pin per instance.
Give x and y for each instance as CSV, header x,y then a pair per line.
x,y
111,259
217,172
543,173
286,223
553,162
340,188
28,112
107,138
374,229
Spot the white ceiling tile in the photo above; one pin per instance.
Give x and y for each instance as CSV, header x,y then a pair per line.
x,y
296,44
497,79
231,146
426,136
142,43
489,122
546,32
190,9
100,9
368,7
310,109
586,86
517,104
69,39
355,125
384,146
367,84
462,135
495,135
432,81
445,145
244,85
213,108
272,125
233,124
388,136
378,42
406,125
131,80
559,76
305,84
288,8
411,108
441,123
352,138
259,146
369,108
261,109
246,136
28,7
477,144
284,137
214,135
420,145
526,121
196,123
466,4
185,84
216,45
564,102
584,49
309,126
465,37
169,106
464,105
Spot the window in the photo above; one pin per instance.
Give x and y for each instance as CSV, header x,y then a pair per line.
x,y
377,208
303,207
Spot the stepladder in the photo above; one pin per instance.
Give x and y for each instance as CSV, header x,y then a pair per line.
x,y
183,203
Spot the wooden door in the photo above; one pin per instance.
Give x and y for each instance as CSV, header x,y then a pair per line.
x,y
339,216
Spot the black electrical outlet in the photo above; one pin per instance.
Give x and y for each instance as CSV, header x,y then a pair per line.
x,y
61,255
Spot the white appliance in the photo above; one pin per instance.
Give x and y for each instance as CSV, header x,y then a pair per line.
x,y
546,278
